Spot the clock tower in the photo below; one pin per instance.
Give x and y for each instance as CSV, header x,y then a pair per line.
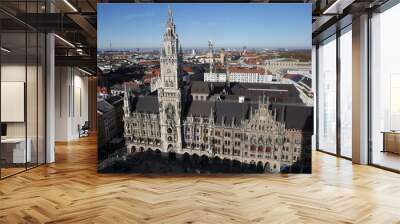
x,y
169,94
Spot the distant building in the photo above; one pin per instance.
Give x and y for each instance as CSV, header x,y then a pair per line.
x,y
200,90
248,75
215,77
222,56
242,75
106,121
117,90
304,72
117,103
276,65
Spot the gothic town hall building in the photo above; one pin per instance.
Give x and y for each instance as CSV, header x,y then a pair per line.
x,y
236,122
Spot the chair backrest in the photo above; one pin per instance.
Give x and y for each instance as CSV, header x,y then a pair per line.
x,y
86,125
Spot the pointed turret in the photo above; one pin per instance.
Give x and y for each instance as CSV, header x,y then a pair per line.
x,y
170,19
126,101
212,114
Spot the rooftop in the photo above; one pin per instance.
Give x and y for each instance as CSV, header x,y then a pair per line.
x,y
246,70
200,87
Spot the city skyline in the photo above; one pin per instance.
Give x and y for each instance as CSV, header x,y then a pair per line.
x,y
198,23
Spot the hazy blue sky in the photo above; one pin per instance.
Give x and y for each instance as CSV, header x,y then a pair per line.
x,y
129,25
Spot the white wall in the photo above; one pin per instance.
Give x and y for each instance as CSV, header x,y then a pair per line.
x,y
71,102
12,73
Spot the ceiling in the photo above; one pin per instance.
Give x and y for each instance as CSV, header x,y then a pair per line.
x,y
75,21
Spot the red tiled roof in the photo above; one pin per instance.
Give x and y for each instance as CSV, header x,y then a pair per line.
x,y
149,62
153,72
188,69
250,54
156,72
252,61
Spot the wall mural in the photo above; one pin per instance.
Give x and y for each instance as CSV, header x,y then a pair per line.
x,y
238,103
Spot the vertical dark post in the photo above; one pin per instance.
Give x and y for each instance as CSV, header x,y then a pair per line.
x,y
369,96
316,97
0,92
338,73
37,88
26,86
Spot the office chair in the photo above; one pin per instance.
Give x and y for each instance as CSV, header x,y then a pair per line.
x,y
84,130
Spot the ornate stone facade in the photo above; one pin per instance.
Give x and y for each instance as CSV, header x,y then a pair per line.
x,y
253,135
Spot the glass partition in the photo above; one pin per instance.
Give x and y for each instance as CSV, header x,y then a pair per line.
x,y
13,94
326,97
22,88
346,92
385,89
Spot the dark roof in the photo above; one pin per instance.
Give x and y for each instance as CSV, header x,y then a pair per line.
x,y
307,81
294,77
299,117
146,104
114,100
286,93
228,110
199,87
103,106
217,87
200,108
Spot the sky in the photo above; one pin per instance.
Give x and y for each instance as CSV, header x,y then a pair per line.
x,y
134,25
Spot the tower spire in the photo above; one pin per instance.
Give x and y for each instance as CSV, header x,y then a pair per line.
x,y
170,17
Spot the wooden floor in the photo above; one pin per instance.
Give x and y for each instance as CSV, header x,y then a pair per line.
x,y
71,191
386,159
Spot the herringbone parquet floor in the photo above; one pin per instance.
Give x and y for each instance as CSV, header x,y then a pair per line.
x,y
71,191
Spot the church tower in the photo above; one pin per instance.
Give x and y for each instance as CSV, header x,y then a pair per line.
x,y
169,94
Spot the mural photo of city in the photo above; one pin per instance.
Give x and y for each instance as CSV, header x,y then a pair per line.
x,y
204,88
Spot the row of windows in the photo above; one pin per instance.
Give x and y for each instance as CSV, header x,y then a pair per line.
x,y
297,140
261,127
193,145
135,125
227,134
143,116
286,157
287,149
235,152
196,138
201,97
150,133
169,94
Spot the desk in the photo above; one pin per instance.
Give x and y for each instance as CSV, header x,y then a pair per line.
x,y
391,141
13,150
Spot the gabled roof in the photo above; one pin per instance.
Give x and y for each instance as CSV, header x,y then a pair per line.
x,y
228,110
199,87
287,93
144,104
200,108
